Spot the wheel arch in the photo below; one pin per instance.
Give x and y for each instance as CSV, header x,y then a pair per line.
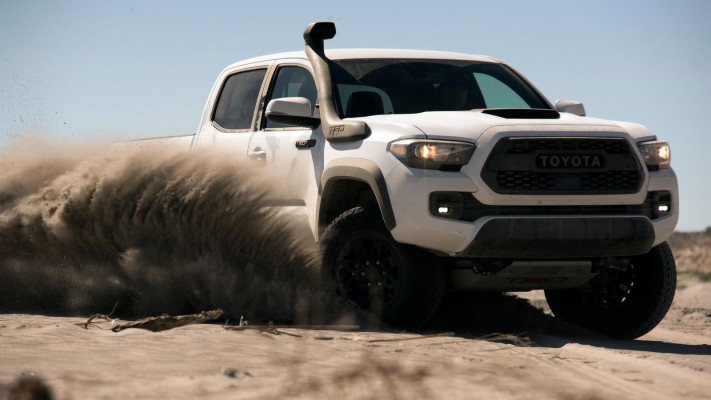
x,y
352,182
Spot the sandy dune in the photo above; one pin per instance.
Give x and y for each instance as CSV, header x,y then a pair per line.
x,y
207,361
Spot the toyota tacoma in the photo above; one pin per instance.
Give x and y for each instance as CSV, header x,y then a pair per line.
x,y
421,172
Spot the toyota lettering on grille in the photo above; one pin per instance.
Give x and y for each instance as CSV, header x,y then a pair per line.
x,y
570,161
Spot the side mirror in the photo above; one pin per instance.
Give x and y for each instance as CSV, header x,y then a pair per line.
x,y
294,111
570,107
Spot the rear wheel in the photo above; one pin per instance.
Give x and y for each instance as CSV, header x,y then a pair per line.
x,y
401,284
622,301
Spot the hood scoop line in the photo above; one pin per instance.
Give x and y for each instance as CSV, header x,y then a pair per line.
x,y
522,113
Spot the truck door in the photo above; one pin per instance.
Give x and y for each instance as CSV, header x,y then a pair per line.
x,y
291,156
231,120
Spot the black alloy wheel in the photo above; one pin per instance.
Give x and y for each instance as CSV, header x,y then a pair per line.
x,y
623,301
401,284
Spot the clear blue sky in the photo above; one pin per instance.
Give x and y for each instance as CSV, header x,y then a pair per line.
x,y
82,70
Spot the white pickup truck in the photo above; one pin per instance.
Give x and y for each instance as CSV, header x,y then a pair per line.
x,y
422,172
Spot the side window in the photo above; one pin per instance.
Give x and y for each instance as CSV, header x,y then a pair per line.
x,y
292,82
497,94
238,99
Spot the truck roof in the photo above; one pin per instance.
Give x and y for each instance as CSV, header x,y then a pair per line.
x,y
344,54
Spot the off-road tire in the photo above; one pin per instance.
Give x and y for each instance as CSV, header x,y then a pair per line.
x,y
624,303
403,285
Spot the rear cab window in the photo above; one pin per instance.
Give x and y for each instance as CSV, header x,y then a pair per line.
x,y
235,106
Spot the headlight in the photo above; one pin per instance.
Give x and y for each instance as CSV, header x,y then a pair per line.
x,y
432,154
657,155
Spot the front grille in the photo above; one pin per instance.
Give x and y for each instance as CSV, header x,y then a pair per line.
x,y
514,166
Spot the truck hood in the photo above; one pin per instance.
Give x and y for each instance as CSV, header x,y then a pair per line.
x,y
470,125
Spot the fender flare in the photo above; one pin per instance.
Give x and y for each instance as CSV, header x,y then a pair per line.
x,y
367,172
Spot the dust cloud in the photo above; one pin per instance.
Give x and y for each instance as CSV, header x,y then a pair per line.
x,y
153,229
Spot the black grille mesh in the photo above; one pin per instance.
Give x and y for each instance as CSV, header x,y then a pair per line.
x,y
538,181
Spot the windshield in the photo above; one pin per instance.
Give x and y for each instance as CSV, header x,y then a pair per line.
x,y
404,86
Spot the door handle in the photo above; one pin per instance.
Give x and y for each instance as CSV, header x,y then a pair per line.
x,y
259,154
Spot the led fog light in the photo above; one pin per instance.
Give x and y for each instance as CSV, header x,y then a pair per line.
x,y
448,205
661,203
444,210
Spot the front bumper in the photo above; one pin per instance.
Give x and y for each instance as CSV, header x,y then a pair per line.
x,y
526,235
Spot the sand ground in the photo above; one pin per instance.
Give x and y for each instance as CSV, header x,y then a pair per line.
x,y
208,362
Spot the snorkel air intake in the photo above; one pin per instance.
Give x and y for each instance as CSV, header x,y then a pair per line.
x,y
334,128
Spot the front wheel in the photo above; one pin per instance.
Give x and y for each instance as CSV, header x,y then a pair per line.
x,y
621,301
401,284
